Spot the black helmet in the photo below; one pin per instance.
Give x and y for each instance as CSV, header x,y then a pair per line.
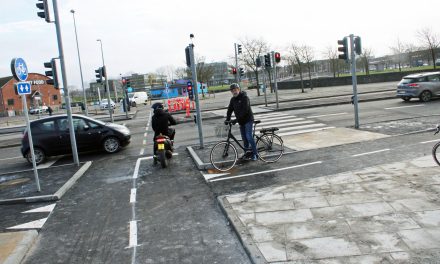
x,y
233,86
157,106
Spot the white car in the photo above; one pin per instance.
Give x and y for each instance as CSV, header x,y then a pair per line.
x,y
104,104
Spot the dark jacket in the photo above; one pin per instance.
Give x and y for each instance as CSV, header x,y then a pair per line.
x,y
160,122
241,107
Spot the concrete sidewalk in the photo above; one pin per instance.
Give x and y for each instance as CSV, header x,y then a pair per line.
x,y
382,214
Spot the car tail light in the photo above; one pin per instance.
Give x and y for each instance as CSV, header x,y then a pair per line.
x,y
413,85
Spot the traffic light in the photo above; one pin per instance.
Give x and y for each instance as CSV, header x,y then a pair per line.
x,y
98,75
188,57
258,62
277,57
267,63
234,70
357,45
239,50
45,13
241,70
343,48
189,88
104,72
52,73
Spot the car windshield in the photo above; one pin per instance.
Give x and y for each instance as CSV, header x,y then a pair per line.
x,y
104,101
130,95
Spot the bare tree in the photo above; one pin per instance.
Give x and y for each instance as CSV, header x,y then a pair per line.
x,y
331,54
182,73
365,59
253,49
294,53
399,53
308,55
430,40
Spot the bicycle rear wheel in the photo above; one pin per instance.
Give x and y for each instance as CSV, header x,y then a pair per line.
x,y
270,147
436,153
223,156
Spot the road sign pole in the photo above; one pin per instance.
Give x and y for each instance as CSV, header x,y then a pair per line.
x,y
236,64
354,81
196,93
31,143
66,89
275,78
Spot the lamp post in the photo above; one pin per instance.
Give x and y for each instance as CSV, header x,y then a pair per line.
x,y
110,108
80,68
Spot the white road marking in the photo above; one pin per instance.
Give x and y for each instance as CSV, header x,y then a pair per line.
x,y
336,114
270,114
214,175
302,127
18,157
145,134
133,234
368,153
144,142
47,164
263,120
407,106
44,209
29,225
283,124
302,131
133,195
267,171
138,163
280,121
141,153
430,141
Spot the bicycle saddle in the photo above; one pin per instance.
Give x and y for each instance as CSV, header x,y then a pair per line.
x,y
269,129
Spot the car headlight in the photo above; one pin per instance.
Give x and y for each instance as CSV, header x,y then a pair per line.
x,y
124,130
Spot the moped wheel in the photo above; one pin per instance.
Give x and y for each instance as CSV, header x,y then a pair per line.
x,y
223,156
436,153
162,158
270,148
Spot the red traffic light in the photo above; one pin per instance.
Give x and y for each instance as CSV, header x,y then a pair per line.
x,y
234,70
277,57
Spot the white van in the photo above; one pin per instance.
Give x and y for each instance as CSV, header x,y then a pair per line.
x,y
137,98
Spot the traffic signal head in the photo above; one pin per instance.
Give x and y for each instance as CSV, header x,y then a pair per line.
x,y
104,72
357,45
239,50
99,75
343,48
267,63
45,10
52,72
241,72
189,88
188,57
277,57
258,62
234,70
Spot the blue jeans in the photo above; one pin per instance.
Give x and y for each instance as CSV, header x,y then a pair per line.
x,y
246,135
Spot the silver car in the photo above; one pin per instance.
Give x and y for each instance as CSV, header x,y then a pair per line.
x,y
422,85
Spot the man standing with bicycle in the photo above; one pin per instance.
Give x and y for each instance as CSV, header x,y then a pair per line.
x,y
241,106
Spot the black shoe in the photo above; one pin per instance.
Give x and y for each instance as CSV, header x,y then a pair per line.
x,y
154,160
247,155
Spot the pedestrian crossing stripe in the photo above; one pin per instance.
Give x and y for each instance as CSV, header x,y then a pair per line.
x,y
38,224
278,121
301,122
44,209
302,131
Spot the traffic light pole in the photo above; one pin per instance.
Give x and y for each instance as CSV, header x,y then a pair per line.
x,y
196,93
354,81
275,78
66,89
107,87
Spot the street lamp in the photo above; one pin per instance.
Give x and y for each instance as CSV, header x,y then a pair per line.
x,y
110,108
80,68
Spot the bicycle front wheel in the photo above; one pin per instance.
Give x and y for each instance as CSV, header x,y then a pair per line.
x,y
436,153
270,147
223,156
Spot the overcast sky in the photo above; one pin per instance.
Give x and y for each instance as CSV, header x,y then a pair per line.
x,y
144,35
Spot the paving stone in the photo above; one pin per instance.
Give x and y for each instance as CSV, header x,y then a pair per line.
x,y
236,198
266,195
313,229
342,189
273,251
414,205
268,233
301,192
323,247
369,209
421,238
283,217
310,202
428,218
247,219
331,212
379,242
353,198
379,223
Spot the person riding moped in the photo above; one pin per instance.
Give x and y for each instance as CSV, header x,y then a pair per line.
x,y
160,123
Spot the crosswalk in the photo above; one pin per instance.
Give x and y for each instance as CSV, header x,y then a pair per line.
x,y
288,124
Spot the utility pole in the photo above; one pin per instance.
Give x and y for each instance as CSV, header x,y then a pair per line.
x,y
236,63
275,77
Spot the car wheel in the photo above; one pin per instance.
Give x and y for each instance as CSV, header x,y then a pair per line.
x,y
111,145
406,98
425,96
40,156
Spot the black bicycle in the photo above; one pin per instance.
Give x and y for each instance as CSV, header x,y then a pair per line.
x,y
270,147
435,149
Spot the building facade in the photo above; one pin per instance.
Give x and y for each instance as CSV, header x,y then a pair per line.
x,y
41,94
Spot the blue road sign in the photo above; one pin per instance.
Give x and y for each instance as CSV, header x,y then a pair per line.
x,y
19,69
23,88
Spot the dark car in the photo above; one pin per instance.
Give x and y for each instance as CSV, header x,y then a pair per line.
x,y
51,136
421,85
